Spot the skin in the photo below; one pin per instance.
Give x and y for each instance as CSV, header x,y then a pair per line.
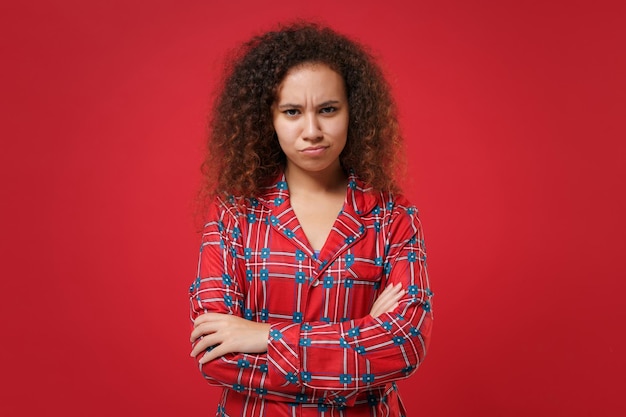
x,y
310,117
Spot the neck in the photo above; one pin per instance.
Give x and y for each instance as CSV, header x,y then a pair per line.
x,y
332,180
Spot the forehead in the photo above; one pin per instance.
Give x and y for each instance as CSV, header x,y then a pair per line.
x,y
311,79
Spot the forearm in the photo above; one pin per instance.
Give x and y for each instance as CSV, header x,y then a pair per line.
x,y
363,352
351,355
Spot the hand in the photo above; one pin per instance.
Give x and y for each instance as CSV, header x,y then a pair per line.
x,y
387,301
228,334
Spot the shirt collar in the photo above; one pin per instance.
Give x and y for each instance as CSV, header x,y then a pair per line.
x,y
347,230
360,197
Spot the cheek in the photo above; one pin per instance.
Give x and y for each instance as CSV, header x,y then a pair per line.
x,y
340,129
284,133
284,140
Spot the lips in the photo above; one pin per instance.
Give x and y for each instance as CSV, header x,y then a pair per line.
x,y
314,150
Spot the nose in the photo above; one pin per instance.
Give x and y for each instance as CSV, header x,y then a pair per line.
x,y
312,129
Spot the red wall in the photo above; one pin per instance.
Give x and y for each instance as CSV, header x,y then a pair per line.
x,y
514,119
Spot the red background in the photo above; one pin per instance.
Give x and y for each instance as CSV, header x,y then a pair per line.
x,y
514,119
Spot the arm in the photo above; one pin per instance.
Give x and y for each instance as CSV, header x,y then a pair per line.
x,y
226,333
280,375
218,328
353,355
217,334
218,292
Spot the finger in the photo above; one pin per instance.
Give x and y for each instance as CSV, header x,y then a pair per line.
x,y
388,301
378,308
392,307
386,308
375,312
206,318
379,303
216,352
393,298
393,288
203,329
206,342
389,293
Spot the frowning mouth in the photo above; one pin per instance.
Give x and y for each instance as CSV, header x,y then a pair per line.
x,y
314,150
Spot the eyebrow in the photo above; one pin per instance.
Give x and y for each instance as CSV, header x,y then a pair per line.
x,y
299,106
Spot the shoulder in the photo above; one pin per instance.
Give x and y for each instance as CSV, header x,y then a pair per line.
x,y
399,215
233,207
400,206
235,212
393,210
385,203
390,204
224,213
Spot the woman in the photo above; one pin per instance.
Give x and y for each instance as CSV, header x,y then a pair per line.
x,y
312,295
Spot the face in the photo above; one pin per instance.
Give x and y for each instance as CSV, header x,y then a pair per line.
x,y
310,118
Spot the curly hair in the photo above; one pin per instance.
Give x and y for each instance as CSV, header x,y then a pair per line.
x,y
243,152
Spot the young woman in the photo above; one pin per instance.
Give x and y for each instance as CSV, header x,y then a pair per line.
x,y
312,295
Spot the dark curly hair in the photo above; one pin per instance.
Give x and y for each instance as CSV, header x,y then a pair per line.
x,y
243,152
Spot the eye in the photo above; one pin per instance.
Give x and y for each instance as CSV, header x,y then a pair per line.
x,y
291,112
329,109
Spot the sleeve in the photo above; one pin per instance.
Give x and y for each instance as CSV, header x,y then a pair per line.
x,y
347,357
218,288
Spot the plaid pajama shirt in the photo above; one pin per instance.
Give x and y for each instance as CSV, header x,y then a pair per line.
x,y
326,355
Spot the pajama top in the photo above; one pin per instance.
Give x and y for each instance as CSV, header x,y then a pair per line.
x,y
326,355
